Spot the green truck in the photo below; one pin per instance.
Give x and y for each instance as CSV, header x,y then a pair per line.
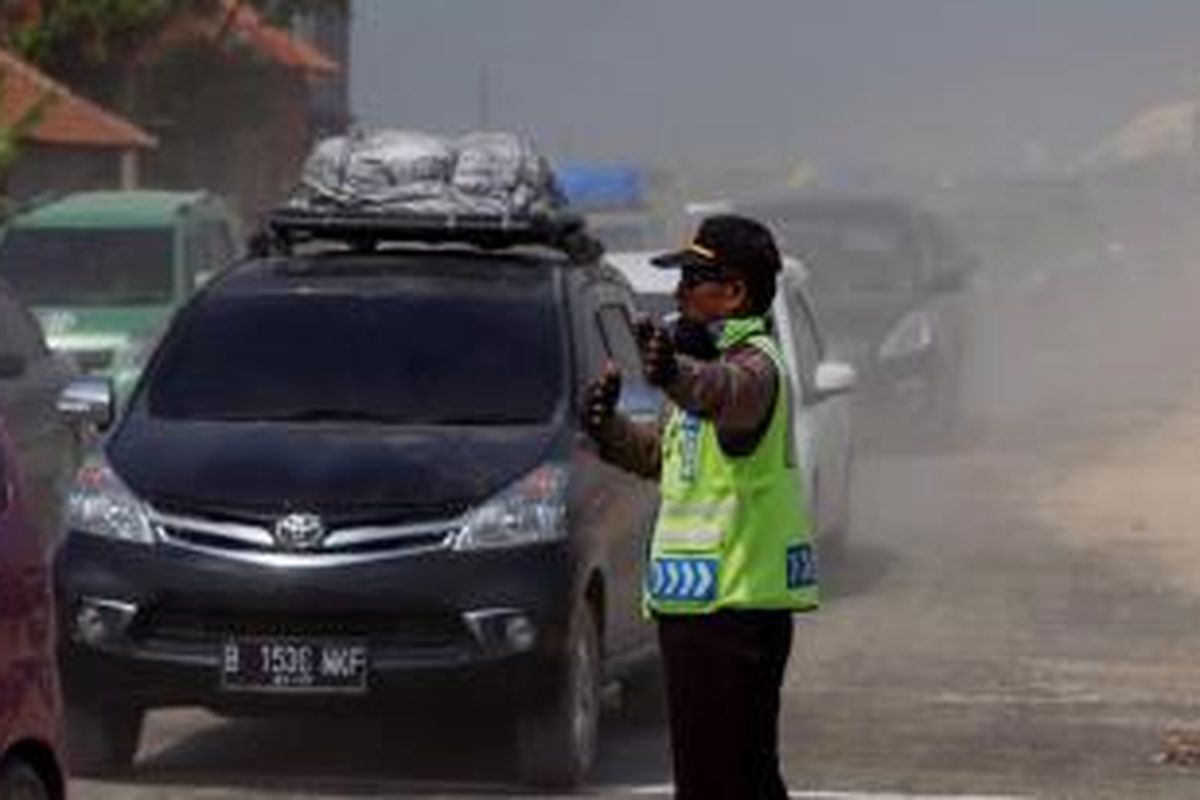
x,y
104,271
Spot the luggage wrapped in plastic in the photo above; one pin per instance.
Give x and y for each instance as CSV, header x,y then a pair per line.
x,y
499,174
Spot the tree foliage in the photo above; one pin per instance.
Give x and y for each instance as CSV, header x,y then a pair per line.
x,y
99,31
12,133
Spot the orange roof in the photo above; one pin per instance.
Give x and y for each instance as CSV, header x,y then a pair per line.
x,y
69,119
277,44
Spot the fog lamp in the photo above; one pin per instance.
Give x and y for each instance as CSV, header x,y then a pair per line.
x,y
99,622
520,633
500,631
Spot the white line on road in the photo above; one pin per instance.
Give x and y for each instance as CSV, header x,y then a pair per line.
x,y
665,790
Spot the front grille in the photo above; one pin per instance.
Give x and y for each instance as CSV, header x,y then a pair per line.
x,y
252,541
335,515
94,360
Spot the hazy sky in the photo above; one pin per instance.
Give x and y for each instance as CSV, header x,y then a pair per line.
x,y
929,83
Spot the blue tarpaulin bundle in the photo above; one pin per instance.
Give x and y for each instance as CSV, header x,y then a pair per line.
x,y
593,187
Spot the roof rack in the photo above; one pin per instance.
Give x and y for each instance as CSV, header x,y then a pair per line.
x,y
563,231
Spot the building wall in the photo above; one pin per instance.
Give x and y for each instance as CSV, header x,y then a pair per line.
x,y
330,101
49,169
240,129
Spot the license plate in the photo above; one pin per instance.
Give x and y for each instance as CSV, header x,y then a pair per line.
x,y
294,665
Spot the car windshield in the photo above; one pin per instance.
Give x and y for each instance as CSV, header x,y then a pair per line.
x,y
853,252
89,267
425,350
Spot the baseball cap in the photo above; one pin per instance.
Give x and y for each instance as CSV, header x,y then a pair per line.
x,y
727,242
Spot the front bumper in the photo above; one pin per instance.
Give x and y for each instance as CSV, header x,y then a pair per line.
x,y
147,625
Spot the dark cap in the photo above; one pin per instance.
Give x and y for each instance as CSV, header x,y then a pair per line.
x,y
727,242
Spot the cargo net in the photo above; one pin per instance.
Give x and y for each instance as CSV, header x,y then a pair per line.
x,y
410,173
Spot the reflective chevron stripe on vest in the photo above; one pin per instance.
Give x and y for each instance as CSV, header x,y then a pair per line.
x,y
733,531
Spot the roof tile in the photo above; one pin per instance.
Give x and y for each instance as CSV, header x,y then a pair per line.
x,y
69,119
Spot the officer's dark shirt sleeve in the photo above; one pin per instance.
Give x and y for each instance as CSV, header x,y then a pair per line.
x,y
737,392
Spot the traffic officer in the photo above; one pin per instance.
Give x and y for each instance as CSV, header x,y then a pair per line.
x,y
731,557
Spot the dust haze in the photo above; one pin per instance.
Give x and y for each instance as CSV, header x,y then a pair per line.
x,y
1036,129
1014,611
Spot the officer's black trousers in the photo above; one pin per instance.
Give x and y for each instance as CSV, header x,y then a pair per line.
x,y
723,674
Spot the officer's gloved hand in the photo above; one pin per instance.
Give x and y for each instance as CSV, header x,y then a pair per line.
x,y
658,352
600,399
694,339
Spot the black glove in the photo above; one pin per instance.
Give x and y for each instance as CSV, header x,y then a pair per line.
x,y
600,399
658,352
694,339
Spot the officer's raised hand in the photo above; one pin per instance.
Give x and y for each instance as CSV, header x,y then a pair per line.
x,y
600,399
658,352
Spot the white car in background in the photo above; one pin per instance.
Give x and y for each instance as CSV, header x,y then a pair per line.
x,y
820,386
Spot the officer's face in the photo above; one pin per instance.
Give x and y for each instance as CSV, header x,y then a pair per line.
x,y
708,295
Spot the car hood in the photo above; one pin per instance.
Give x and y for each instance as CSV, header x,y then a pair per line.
x,y
349,474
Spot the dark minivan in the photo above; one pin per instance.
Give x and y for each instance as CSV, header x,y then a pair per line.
x,y
351,477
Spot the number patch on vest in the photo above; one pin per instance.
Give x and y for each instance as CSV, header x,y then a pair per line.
x,y
801,566
688,579
690,450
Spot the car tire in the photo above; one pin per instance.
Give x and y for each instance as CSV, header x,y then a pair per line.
x,y
102,740
20,781
556,745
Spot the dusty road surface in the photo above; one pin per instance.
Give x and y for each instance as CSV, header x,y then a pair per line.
x,y
1016,616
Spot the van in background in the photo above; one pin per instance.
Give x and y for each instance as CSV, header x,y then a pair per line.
x,y
103,271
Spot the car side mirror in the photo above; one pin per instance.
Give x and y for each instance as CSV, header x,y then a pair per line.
x,y
834,378
88,400
12,365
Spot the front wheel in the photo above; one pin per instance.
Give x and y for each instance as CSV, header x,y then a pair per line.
x,y
102,740
556,745
20,781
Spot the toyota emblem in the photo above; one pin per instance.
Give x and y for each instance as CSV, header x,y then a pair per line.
x,y
299,532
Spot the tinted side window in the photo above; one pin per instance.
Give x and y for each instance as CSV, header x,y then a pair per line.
x,y
209,248
595,348
638,397
125,266
195,253
617,332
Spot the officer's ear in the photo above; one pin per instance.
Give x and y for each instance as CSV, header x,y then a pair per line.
x,y
736,297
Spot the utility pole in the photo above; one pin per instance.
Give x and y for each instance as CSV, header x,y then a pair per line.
x,y
484,89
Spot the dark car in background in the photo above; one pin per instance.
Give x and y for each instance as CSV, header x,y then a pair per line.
x,y
889,279
353,481
45,448
31,762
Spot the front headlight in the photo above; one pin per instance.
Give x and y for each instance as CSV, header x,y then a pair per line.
x,y
99,503
912,334
532,510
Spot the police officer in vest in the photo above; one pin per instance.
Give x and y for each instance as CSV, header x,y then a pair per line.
x,y
731,557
